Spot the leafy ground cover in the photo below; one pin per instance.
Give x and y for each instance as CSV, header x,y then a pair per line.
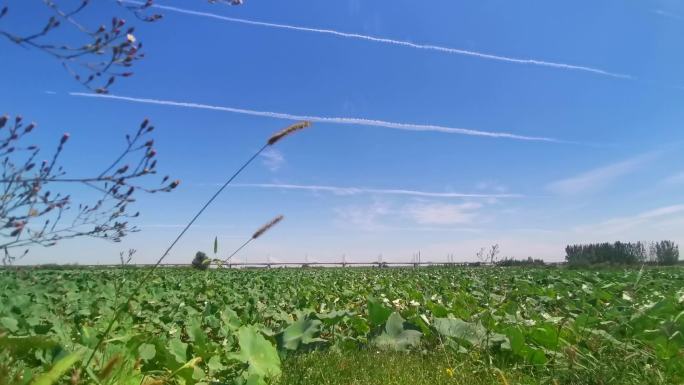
x,y
344,326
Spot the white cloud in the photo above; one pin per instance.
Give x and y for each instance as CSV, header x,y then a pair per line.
x,y
598,178
364,217
491,186
415,216
667,14
442,213
363,190
621,225
677,178
272,159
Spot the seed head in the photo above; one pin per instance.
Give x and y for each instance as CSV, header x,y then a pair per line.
x,y
287,131
267,227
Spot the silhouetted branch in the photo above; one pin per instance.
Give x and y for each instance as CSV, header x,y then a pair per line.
x,y
31,214
97,55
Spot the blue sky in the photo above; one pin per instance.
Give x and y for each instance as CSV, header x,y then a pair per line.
x,y
614,169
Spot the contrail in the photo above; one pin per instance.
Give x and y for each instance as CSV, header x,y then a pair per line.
x,y
667,14
362,190
403,43
321,119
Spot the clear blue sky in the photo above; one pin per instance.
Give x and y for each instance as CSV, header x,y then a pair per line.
x,y
615,173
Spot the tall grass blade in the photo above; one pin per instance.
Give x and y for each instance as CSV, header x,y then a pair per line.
x,y
271,141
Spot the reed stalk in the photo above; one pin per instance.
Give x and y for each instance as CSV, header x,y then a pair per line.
x,y
117,314
256,235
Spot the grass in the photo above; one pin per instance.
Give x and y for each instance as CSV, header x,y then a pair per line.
x,y
382,368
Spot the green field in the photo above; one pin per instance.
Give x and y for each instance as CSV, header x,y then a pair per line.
x,y
344,326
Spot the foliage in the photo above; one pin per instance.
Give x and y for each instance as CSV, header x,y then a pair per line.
x,y
395,337
666,253
234,326
508,262
33,211
618,253
201,261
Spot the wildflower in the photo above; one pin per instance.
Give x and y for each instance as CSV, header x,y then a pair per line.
x,y
130,38
450,372
414,303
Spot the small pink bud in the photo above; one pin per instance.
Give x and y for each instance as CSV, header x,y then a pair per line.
x,y
65,137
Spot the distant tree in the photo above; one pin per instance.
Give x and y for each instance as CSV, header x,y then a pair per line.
x,y
619,253
510,262
488,256
667,253
33,211
201,261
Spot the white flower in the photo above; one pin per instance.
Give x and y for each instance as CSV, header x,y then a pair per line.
x,y
414,303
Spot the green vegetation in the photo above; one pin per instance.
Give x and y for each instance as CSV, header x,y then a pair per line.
x,y
201,261
344,326
620,253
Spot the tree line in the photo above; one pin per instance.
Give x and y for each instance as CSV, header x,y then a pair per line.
x,y
623,253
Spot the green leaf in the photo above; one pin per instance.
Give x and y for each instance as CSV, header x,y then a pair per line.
x,y
396,337
545,335
258,353
377,312
516,338
333,317
474,334
147,351
179,350
215,364
230,319
58,369
10,324
300,332
537,356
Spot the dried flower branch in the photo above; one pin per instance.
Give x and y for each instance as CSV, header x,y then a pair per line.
x,y
95,54
32,213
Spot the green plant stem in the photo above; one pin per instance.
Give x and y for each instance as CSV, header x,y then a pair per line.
x,y
227,260
147,276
